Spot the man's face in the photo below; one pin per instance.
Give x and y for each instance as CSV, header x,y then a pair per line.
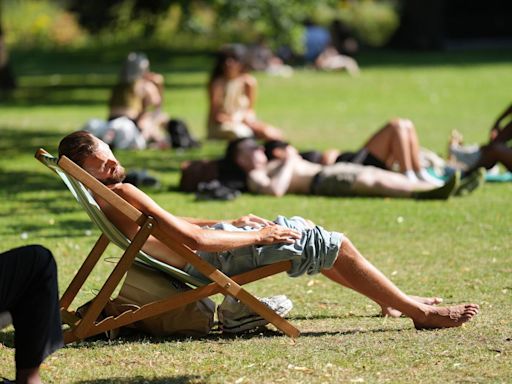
x,y
250,156
104,166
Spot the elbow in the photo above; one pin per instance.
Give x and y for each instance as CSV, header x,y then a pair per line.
x,y
277,191
200,241
193,241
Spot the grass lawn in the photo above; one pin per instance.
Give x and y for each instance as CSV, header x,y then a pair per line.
x,y
460,249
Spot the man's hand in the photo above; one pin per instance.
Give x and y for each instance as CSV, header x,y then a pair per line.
x,y
494,133
274,234
252,221
291,152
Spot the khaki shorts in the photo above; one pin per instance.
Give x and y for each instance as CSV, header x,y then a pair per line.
x,y
336,179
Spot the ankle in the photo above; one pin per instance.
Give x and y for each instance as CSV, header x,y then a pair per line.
x,y
411,175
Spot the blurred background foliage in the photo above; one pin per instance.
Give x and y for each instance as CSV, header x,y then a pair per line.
x,y
182,24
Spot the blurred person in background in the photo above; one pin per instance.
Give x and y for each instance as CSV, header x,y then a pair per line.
x,y
138,96
232,94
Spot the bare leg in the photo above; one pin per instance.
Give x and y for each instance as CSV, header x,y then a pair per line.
x,y
377,182
265,131
391,143
334,275
413,143
366,279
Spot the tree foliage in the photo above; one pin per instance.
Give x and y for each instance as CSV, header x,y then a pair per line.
x,y
280,20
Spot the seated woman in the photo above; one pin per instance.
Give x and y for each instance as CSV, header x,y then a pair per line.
x,y
138,96
394,147
232,93
498,149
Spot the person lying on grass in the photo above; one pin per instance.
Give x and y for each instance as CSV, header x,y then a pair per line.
x,y
246,162
394,147
240,245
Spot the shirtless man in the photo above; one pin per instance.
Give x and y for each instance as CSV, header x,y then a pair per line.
x,y
234,250
292,174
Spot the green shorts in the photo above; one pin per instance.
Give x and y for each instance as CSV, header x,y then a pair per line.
x,y
336,179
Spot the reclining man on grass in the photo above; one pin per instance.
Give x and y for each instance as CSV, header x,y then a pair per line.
x,y
239,245
246,164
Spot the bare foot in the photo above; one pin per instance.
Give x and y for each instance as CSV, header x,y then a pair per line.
x,y
446,317
392,312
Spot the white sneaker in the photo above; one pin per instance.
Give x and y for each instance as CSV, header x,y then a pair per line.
x,y
235,317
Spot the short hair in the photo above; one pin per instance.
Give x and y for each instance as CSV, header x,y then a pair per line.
x,y
270,145
77,146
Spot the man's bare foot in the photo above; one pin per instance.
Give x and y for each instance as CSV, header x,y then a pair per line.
x,y
446,317
392,312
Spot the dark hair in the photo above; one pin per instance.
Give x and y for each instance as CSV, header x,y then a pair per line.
x,y
230,173
274,144
236,52
77,146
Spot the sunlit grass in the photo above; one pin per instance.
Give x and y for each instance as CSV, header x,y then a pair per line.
x,y
460,249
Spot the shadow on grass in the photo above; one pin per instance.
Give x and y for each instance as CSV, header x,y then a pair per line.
x,y
15,141
219,337
327,317
179,379
391,58
106,59
87,93
7,338
13,182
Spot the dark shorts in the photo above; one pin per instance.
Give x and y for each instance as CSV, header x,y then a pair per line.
x,y
362,157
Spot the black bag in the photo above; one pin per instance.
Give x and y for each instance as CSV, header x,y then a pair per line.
x,y
180,135
214,190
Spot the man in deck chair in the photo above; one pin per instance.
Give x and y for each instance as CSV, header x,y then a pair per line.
x,y
243,244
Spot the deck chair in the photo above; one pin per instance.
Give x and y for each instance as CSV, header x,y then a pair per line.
x,y
79,182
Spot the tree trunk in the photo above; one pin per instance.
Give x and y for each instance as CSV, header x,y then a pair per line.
x,y
7,79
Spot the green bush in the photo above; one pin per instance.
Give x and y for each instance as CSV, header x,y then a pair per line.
x,y
373,22
30,23
196,24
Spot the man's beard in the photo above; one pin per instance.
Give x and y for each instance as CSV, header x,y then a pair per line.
x,y
118,177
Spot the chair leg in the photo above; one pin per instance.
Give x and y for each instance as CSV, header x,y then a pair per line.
x,y
227,284
158,307
99,302
84,272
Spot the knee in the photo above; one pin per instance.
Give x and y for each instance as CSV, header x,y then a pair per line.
x,y
44,260
347,249
310,223
396,128
407,126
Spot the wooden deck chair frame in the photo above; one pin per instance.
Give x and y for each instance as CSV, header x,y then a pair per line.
x,y
86,326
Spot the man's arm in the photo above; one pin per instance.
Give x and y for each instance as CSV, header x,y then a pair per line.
x,y
249,220
275,182
191,234
496,127
216,95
